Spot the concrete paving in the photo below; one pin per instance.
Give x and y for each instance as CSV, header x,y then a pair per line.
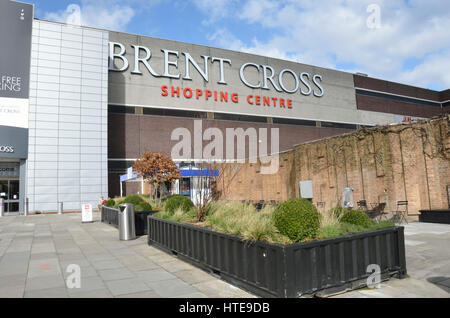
x,y
427,261
36,253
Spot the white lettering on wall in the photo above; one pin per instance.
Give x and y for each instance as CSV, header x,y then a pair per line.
x,y
7,149
113,56
242,76
221,68
266,77
10,83
190,60
143,60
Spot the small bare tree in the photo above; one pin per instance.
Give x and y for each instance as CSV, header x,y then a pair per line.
x,y
204,184
156,169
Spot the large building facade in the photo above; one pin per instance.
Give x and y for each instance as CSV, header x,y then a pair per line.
x,y
98,99
63,119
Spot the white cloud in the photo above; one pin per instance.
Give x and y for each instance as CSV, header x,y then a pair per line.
x,y
253,10
335,34
226,39
433,70
215,9
327,33
100,14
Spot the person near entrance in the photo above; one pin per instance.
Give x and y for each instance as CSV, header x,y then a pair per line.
x,y
101,202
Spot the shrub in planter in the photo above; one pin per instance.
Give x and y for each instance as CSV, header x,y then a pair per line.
x,y
110,203
338,211
296,218
176,202
349,228
116,205
382,225
211,208
331,231
144,206
134,199
356,217
184,216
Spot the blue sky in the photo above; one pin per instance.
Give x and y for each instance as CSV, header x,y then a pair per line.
x,y
398,40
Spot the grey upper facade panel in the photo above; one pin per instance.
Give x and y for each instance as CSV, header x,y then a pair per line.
x,y
15,55
15,32
312,92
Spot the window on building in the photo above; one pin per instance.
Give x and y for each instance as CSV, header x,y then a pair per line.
x,y
236,117
398,98
337,125
173,113
300,122
121,109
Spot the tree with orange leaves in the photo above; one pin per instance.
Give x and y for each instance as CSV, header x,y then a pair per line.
x,y
156,169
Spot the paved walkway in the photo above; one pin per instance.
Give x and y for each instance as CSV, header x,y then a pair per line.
x,y
35,252
428,264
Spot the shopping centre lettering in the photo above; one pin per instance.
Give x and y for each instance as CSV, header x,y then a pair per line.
x,y
302,83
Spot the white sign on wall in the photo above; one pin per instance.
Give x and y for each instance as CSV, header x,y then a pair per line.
x,y
86,213
306,189
14,112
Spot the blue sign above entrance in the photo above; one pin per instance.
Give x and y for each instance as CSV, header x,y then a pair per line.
x,y
189,172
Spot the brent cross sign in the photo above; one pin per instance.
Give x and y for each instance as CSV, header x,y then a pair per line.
x,y
268,80
8,149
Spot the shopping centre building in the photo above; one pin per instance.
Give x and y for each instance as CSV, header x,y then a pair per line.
x,y
78,105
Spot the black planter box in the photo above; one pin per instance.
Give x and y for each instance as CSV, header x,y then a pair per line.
x,y
272,270
435,216
111,216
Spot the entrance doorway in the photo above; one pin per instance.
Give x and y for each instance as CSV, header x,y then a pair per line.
x,y
185,187
9,191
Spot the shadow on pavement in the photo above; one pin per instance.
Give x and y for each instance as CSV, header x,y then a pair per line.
x,y
441,282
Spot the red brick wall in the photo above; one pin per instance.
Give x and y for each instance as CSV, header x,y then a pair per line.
x,y
129,135
387,164
395,107
387,105
445,95
395,88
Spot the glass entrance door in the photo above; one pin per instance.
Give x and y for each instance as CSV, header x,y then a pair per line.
x,y
9,191
14,196
185,187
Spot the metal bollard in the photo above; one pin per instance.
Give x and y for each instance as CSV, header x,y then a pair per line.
x,y
60,208
2,206
26,207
